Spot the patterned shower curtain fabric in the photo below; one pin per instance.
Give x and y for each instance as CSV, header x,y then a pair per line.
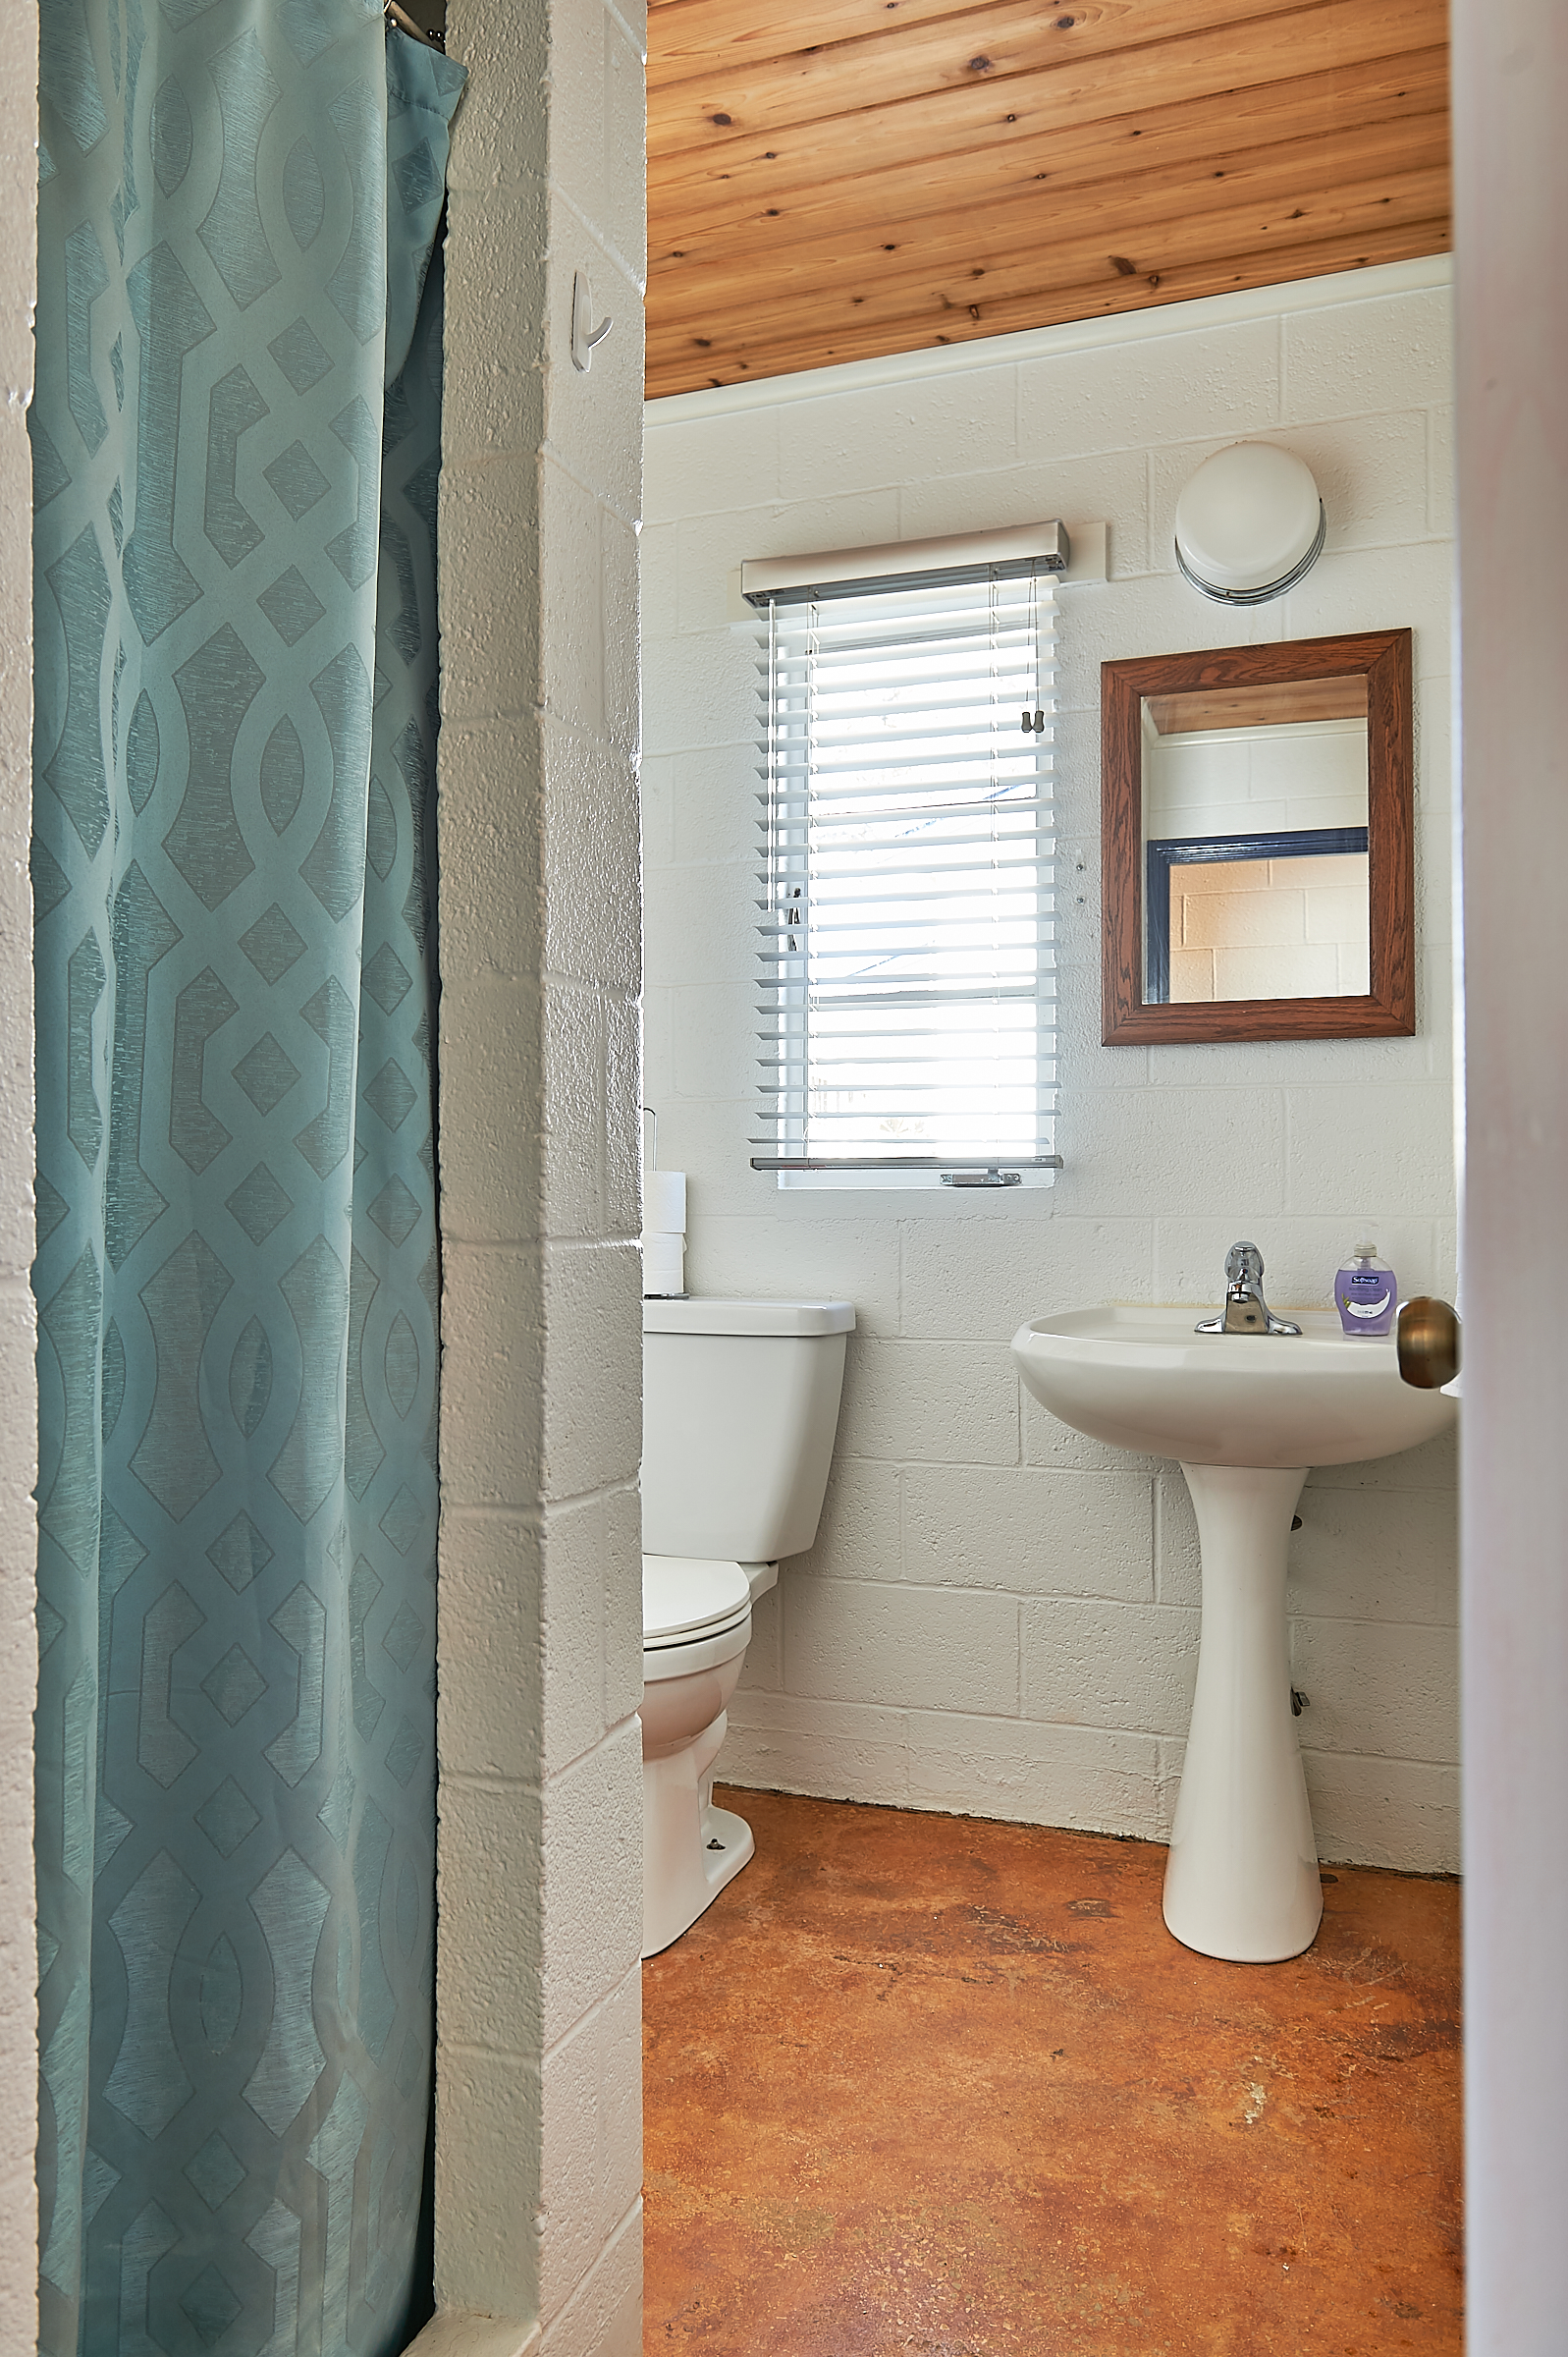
x,y
235,442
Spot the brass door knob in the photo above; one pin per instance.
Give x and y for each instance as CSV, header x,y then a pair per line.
x,y
1428,1342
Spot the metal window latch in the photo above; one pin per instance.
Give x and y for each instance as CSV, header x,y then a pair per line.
x,y
981,1178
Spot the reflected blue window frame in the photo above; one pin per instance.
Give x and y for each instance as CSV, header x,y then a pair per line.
x,y
1308,843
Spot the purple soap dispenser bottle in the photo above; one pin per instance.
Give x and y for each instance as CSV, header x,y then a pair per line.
x,y
1365,1294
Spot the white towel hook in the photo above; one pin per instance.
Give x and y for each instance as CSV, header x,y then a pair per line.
x,y
584,336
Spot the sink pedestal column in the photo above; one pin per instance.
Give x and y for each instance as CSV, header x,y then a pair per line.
x,y
1242,1878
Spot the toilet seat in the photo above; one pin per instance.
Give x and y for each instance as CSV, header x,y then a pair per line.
x,y
695,1614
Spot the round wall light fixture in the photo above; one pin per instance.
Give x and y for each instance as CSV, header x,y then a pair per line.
x,y
1249,525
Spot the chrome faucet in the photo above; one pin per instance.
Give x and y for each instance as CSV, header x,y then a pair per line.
x,y
1245,1311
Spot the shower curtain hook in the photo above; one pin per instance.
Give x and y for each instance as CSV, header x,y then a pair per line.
x,y
399,17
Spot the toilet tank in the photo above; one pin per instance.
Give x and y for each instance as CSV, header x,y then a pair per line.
x,y
739,1408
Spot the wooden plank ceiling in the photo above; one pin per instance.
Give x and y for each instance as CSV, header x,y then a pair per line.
x,y
841,177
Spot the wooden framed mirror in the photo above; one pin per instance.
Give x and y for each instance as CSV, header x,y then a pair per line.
x,y
1257,842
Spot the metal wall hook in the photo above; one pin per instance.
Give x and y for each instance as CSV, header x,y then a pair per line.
x,y
584,336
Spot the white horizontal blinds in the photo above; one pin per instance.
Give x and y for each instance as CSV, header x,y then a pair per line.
x,y
908,999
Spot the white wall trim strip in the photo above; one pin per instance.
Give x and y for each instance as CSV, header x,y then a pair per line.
x,y
1072,335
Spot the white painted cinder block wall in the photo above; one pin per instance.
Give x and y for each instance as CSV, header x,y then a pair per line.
x,y
19,1395
538,2075
999,1617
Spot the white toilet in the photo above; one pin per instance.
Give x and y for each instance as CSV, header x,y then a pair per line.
x,y
740,1405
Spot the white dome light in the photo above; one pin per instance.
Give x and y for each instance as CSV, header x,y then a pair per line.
x,y
1249,525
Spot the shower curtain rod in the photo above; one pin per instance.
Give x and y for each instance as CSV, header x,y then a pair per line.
x,y
405,23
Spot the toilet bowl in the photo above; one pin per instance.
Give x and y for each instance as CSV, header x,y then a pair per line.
x,y
697,1625
741,1407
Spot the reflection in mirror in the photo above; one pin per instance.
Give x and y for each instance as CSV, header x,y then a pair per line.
x,y
1257,807
1283,919
1255,835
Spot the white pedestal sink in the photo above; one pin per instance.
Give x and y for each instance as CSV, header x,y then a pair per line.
x,y
1246,1415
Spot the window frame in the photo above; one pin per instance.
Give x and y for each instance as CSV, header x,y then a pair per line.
x,y
1037,554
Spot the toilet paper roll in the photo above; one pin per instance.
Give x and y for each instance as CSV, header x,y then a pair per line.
x,y
664,1266
664,1202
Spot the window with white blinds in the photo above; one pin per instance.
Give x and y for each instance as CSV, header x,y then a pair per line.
x,y
909,1001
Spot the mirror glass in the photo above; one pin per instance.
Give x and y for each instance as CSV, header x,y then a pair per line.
x,y
1255,814
1256,852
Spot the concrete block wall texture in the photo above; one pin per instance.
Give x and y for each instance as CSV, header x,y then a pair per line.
x,y
19,1396
538,2085
999,1615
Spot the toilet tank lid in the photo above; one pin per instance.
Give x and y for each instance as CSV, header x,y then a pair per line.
x,y
693,1316
686,1594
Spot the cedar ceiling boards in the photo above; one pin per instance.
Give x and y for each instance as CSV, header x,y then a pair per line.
x,y
844,177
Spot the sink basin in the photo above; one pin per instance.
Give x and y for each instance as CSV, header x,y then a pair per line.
x,y
1246,1414
1142,1379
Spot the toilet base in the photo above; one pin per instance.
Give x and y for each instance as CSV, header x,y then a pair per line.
x,y
690,1848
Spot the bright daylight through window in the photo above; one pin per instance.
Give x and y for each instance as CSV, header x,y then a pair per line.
x,y
908,1000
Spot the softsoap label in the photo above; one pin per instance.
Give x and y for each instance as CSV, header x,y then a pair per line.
x,y
1366,1298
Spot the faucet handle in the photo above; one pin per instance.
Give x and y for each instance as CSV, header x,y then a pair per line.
x,y
1244,1265
1245,1311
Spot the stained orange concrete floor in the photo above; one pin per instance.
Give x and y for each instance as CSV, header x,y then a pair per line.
x,y
924,2086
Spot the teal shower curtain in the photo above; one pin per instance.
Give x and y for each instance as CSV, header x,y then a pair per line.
x,y
236,443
